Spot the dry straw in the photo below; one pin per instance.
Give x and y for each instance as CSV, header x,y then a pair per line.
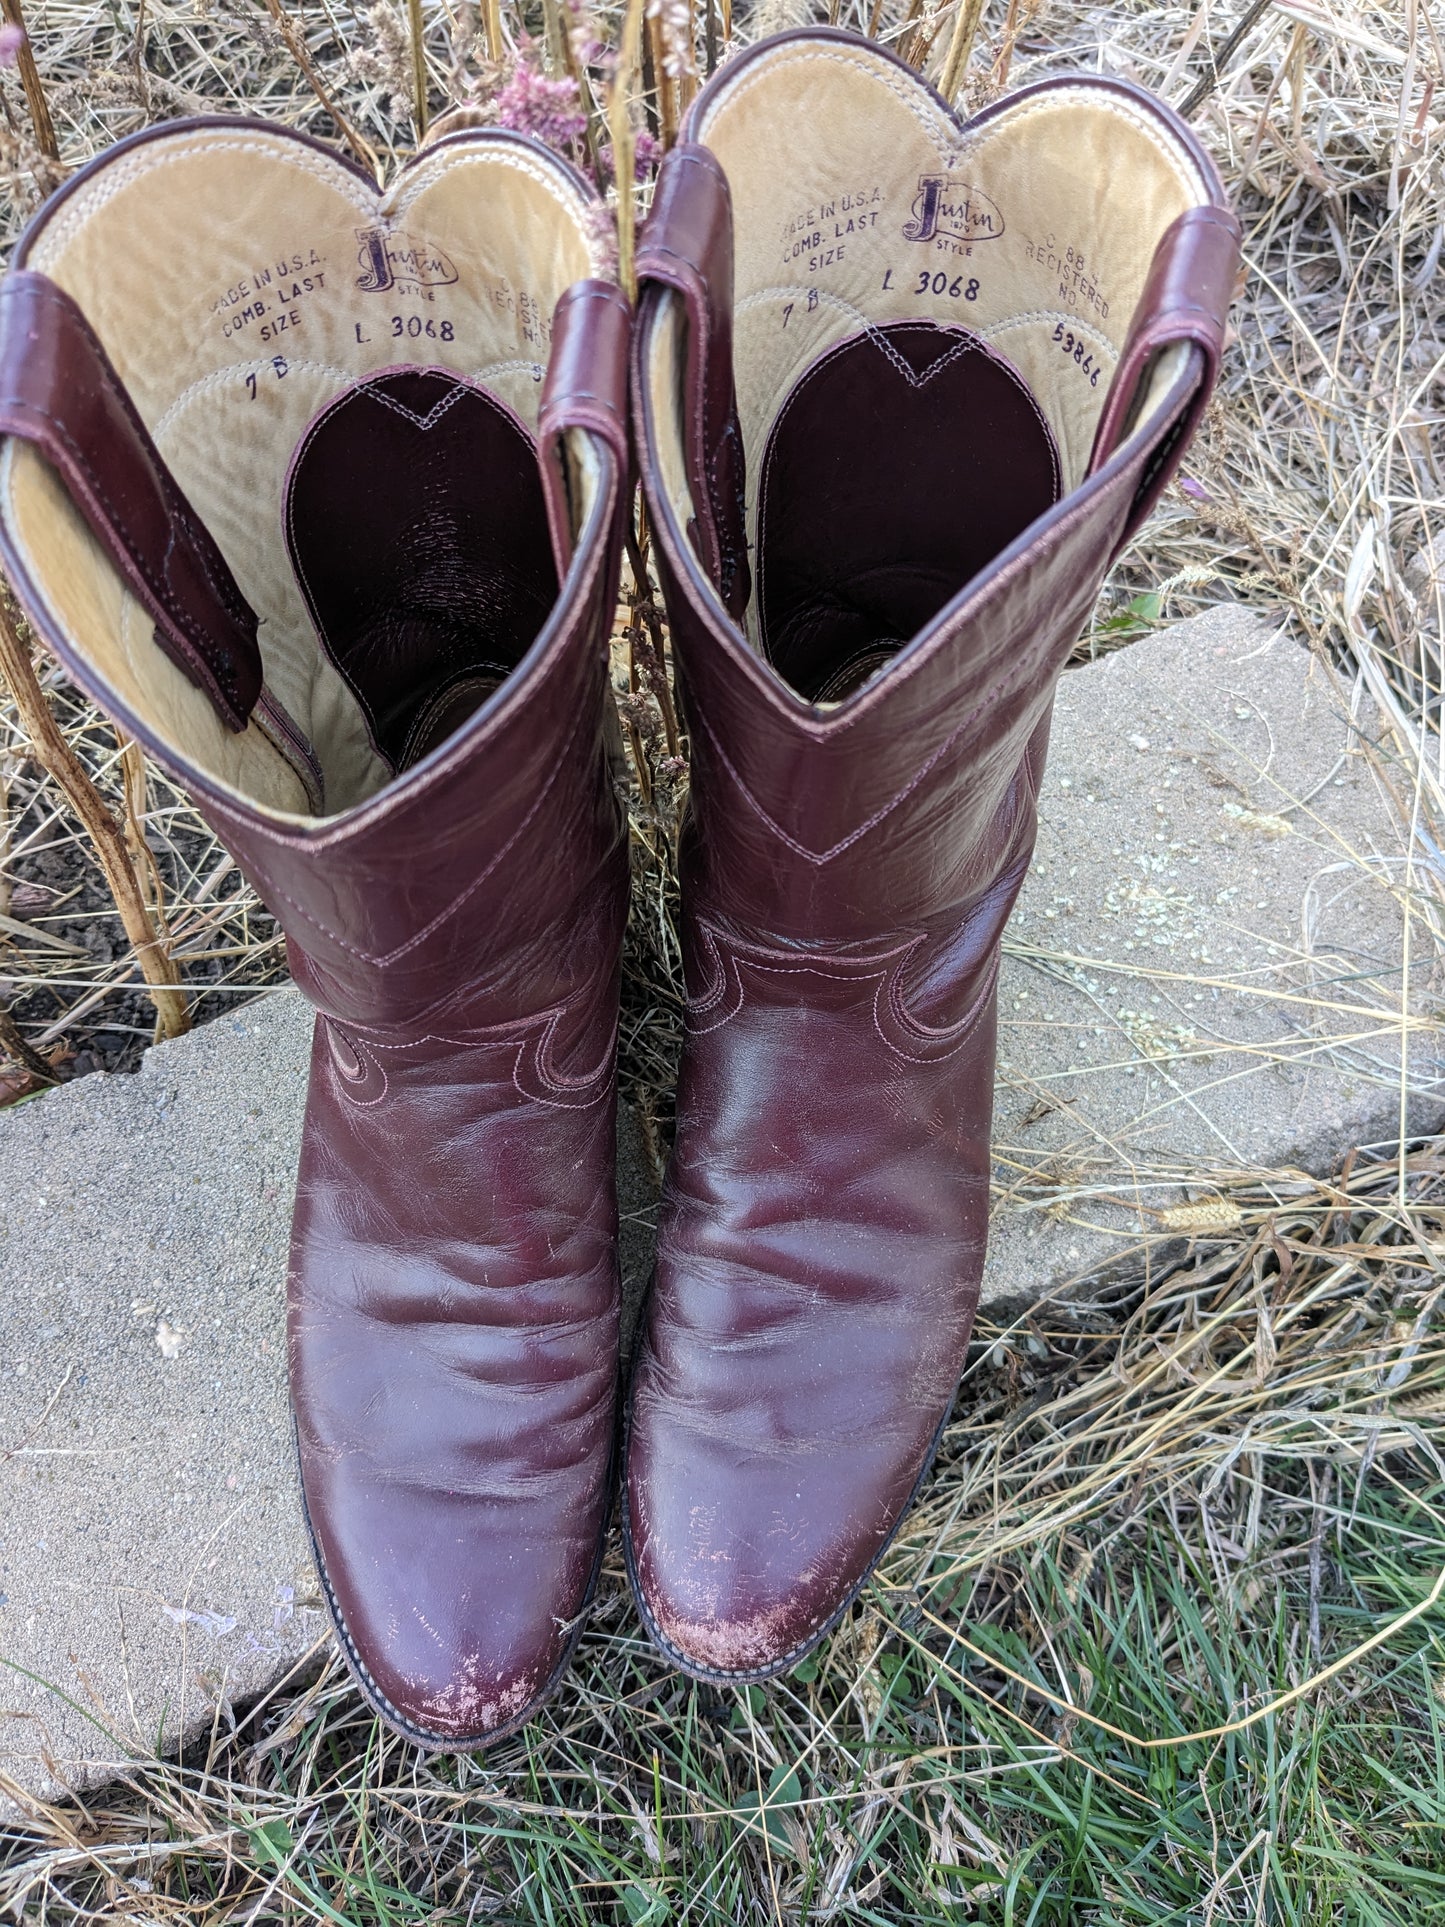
x,y
1189,1518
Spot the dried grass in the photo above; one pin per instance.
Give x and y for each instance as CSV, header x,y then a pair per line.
x,y
1162,1639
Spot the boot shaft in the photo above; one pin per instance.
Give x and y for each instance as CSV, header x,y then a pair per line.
x,y
955,366
288,494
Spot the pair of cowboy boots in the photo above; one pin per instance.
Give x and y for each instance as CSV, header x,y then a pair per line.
x,y
319,491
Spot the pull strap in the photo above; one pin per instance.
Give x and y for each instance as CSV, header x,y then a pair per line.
x,y
1186,299
59,391
586,387
687,245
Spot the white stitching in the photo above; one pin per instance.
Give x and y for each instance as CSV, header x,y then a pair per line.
x,y
968,342
964,138
881,968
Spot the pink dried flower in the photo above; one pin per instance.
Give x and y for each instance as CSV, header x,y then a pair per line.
x,y
1194,490
549,110
646,153
602,237
12,39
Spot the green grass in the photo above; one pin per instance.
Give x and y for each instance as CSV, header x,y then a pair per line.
x,y
1147,1523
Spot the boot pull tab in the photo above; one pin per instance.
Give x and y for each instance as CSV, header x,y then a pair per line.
x,y
687,245
1186,298
59,391
586,388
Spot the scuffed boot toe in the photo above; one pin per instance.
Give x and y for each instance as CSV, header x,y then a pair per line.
x,y
742,1559
457,1626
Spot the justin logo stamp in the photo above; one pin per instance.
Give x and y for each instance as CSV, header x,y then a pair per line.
x,y
946,207
393,259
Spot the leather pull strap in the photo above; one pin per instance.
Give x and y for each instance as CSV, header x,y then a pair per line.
x,y
1186,299
59,391
687,245
586,387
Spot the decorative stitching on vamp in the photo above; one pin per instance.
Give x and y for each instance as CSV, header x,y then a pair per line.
x,y
883,969
370,392
541,1046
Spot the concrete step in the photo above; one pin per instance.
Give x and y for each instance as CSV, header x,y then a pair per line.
x,y
1204,977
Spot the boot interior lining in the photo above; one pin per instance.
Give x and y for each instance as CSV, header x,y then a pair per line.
x,y
417,529
1030,235
240,281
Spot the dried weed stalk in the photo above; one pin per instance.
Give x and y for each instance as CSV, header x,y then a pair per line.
x,y
66,770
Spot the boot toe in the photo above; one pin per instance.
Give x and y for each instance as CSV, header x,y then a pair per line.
x,y
743,1557
454,1617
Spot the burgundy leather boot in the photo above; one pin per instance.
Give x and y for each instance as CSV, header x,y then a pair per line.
x,y
892,436
286,490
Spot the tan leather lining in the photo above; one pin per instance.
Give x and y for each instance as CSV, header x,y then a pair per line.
x,y
857,202
238,280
